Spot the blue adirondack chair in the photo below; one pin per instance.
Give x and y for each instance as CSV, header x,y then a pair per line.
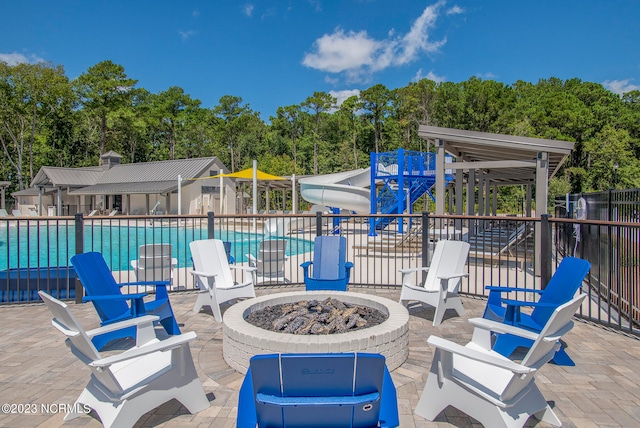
x,y
111,305
331,270
560,289
317,390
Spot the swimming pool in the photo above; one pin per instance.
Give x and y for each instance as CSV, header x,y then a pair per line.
x,y
54,244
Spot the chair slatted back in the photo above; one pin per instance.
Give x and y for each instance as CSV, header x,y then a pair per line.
x,y
154,262
209,256
317,380
97,280
329,257
562,286
449,257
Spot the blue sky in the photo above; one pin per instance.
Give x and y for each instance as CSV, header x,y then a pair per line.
x,y
277,53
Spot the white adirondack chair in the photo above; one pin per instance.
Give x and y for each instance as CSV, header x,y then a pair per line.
x,y
270,261
491,388
125,386
212,272
154,263
440,288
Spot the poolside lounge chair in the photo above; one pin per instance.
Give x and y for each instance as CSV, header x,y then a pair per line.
x,y
270,261
487,386
212,273
92,213
154,263
330,271
106,296
125,386
114,212
3,212
16,213
317,390
562,287
440,288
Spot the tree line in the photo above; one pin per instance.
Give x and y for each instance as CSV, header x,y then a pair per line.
x,y
47,119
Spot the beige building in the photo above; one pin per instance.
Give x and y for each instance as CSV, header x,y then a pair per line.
x,y
165,187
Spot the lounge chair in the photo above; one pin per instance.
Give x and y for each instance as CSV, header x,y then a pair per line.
x,y
562,287
329,269
270,261
92,213
154,263
16,213
317,390
3,212
487,386
440,288
212,273
125,386
114,212
106,296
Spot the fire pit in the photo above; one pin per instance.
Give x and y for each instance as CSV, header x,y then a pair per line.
x,y
242,340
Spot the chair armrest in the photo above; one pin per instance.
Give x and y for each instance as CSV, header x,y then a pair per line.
x,y
132,322
495,360
412,270
152,283
251,258
204,274
520,303
244,268
305,265
107,297
499,327
162,346
455,275
348,265
510,289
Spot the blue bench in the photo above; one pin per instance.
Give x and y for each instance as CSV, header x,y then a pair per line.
x,y
23,284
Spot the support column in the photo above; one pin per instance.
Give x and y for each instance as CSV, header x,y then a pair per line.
x,y
528,201
495,200
471,192
542,174
59,203
440,171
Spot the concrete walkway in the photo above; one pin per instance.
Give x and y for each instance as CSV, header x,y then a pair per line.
x,y
602,390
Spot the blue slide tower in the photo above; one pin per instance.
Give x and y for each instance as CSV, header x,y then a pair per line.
x,y
406,176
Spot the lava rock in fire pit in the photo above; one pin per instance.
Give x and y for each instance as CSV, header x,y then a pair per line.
x,y
316,317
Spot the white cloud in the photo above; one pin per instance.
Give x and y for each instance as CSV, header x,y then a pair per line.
x,y
248,9
17,58
455,10
343,95
187,34
620,86
487,76
430,75
357,54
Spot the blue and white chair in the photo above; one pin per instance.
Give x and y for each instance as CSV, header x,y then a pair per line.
x,y
329,269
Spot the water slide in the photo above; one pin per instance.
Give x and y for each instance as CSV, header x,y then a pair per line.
x,y
347,190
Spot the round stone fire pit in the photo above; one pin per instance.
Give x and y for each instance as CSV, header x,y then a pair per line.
x,y
241,340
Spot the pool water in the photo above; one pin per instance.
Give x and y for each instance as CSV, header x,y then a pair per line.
x,y
53,245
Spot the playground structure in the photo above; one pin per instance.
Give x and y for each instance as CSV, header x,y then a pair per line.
x,y
395,181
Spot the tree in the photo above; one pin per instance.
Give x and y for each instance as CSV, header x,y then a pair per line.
x,y
104,88
30,94
375,100
318,104
233,116
349,110
289,120
169,110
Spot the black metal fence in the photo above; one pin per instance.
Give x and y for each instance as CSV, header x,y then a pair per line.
x,y
509,251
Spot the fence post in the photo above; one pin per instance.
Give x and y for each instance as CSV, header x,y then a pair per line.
x,y
79,250
545,250
210,225
425,243
318,223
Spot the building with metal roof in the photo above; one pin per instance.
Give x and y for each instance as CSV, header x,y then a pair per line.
x,y
176,186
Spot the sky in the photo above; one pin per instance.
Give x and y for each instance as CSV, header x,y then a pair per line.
x,y
275,53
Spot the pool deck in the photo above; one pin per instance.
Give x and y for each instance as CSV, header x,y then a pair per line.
x,y
602,390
